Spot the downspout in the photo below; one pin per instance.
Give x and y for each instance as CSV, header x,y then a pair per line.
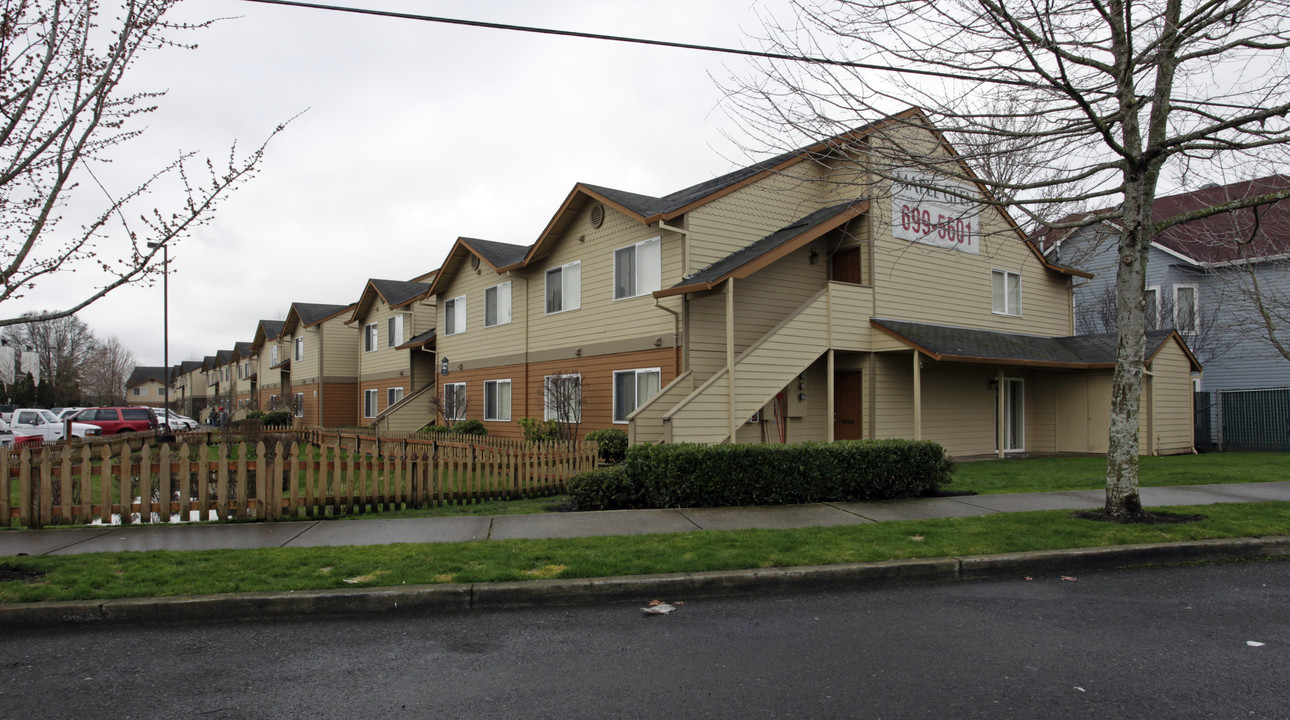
x,y
730,357
676,314
321,375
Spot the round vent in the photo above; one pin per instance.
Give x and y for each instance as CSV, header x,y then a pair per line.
x,y
597,215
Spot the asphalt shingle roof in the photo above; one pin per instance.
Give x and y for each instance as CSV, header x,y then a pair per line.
x,y
141,375
311,313
1079,350
421,339
497,254
398,292
271,328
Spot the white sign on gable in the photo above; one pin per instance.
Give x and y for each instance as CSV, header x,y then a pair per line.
x,y
928,209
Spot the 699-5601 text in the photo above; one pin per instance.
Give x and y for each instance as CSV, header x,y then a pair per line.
x,y
919,221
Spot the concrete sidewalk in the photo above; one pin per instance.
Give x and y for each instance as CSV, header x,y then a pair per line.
x,y
378,531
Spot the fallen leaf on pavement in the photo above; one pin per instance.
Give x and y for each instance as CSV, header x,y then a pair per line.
x,y
1068,578
660,609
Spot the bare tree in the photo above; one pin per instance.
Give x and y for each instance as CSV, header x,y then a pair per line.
x,y
1209,336
1110,97
105,376
64,347
562,395
62,66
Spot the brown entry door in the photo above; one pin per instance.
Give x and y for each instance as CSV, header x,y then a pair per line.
x,y
847,266
847,402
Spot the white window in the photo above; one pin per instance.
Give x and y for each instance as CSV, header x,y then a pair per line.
x,y
562,398
637,269
369,403
392,396
497,399
564,288
1006,292
139,391
1186,309
454,316
454,401
370,338
273,402
1151,298
394,336
497,305
300,348
300,404
273,355
631,389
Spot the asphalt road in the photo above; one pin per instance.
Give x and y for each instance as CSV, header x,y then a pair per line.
x,y
1161,643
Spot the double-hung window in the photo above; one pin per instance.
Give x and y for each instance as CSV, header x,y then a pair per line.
x,y
1186,309
637,269
632,388
1005,292
497,304
497,399
369,403
562,398
454,316
394,327
564,288
370,337
454,401
1151,300
300,348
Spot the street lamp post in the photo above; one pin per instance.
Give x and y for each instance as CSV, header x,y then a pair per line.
x,y
165,332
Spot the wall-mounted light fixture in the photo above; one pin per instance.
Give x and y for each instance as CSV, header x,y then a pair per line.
x,y
814,258
993,383
443,366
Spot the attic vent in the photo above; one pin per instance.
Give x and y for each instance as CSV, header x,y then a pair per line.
x,y
597,215
474,262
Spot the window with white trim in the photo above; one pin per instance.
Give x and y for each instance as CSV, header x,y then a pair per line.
x,y
1186,309
497,304
497,400
564,288
300,404
562,398
638,269
632,388
140,391
369,403
454,316
273,354
1151,301
394,330
1005,292
300,348
371,337
392,396
454,401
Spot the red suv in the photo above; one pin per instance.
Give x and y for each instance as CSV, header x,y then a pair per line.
x,y
120,419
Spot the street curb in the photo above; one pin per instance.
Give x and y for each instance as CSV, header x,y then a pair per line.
x,y
637,588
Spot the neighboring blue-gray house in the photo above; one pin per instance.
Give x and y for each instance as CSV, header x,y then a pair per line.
x,y
1209,279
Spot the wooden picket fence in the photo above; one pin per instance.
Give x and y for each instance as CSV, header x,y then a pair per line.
x,y
82,483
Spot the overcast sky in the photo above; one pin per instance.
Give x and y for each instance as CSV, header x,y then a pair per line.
x,y
415,134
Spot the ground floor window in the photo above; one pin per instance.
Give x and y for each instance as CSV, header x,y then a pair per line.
x,y
454,401
562,398
369,403
497,399
632,388
300,404
393,396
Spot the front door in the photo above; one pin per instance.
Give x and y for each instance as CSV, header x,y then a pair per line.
x,y
848,394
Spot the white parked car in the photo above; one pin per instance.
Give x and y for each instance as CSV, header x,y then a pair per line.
x,y
6,434
175,421
43,423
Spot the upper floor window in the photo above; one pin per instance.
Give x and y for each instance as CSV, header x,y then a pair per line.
x,y
370,337
497,304
1005,292
140,391
1151,301
394,330
564,288
637,269
273,354
454,316
1186,309
300,348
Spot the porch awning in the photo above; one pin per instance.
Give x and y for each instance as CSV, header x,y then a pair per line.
x,y
959,344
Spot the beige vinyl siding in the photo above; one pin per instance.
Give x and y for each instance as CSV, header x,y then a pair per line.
x,y
600,318
341,344
1171,400
893,395
1084,411
1041,412
770,295
384,361
705,330
959,406
477,341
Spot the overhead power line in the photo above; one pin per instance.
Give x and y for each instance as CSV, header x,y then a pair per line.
x,y
640,41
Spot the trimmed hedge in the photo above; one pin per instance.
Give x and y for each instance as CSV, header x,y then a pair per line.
x,y
611,444
725,475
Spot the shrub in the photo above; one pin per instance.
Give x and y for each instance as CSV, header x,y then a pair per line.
x,y
721,475
540,431
434,429
469,427
277,418
255,415
611,444
604,489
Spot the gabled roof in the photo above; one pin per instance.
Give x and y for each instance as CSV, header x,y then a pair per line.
x,y
188,366
310,314
141,375
422,340
959,344
499,256
265,331
395,293
223,357
208,363
749,259
243,350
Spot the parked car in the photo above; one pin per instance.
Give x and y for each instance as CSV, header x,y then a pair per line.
x,y
65,413
175,421
115,420
46,425
6,434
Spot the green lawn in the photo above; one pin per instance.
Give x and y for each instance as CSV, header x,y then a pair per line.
x,y
119,575
1089,473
